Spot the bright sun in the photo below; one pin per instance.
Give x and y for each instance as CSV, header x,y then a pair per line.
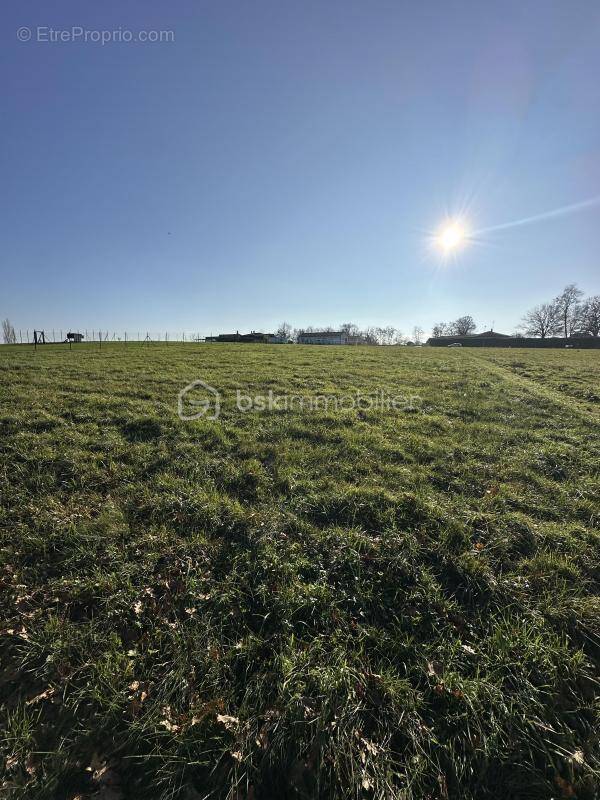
x,y
451,236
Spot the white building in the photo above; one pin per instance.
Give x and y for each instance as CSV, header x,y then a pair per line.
x,y
322,337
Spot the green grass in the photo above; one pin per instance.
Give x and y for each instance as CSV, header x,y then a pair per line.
x,y
352,604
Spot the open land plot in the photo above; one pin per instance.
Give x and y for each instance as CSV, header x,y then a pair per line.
x,y
575,376
302,602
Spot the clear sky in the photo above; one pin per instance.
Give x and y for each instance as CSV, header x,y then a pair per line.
x,y
285,160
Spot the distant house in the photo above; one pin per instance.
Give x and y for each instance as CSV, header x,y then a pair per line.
x,y
274,338
358,339
74,337
323,337
254,337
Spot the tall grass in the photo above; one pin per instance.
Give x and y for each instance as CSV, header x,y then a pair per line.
x,y
352,604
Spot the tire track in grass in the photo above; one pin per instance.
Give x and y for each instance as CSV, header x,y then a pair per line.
x,y
539,390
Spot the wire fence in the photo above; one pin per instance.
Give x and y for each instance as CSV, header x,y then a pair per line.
x,y
99,337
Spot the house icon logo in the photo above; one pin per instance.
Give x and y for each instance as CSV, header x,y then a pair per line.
x,y
198,399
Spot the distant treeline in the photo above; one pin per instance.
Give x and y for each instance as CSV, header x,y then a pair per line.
x,y
568,315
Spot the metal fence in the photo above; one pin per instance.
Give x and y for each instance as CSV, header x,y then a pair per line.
x,y
98,336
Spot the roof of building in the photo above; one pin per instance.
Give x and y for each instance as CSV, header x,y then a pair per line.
x,y
321,333
482,335
240,337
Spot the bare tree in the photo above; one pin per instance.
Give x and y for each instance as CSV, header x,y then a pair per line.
x,y
284,330
417,333
590,316
463,326
568,306
8,332
543,320
371,335
440,329
386,335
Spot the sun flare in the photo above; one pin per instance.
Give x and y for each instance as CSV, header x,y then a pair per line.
x,y
451,236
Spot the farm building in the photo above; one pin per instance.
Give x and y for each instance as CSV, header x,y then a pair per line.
x,y
74,337
494,339
322,337
248,338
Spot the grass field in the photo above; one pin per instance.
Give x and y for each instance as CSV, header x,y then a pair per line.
x,y
352,603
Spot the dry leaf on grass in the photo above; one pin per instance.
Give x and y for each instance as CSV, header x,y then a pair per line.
x,y
262,740
21,632
230,723
434,669
170,726
45,695
168,721
109,784
11,762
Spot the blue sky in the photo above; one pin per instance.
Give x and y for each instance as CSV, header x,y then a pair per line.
x,y
283,160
